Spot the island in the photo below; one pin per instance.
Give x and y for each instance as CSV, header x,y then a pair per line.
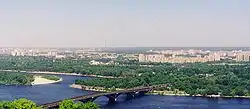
x,y
17,78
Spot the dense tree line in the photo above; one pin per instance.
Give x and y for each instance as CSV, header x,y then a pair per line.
x,y
27,104
13,78
198,78
70,104
18,104
65,65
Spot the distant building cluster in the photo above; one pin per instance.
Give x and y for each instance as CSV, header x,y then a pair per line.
x,y
243,57
21,52
100,57
96,54
51,52
177,59
191,56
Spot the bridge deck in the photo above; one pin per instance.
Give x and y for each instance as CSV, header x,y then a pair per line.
x,y
98,94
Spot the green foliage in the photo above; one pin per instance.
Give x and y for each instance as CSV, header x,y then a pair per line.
x,y
63,65
5,104
8,78
204,79
24,104
27,104
69,104
90,105
198,78
18,104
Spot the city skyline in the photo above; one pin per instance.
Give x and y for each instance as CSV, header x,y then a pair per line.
x,y
164,23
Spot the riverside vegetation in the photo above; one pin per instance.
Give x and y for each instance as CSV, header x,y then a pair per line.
x,y
9,78
16,78
27,104
191,78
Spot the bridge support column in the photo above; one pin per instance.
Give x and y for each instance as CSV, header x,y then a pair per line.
x,y
142,93
113,97
130,95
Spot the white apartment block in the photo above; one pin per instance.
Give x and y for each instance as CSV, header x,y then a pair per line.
x,y
176,59
243,57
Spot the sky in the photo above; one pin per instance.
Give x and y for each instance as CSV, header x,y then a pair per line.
x,y
125,23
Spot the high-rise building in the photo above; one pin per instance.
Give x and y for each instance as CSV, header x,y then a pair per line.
x,y
175,59
243,57
142,58
151,57
214,57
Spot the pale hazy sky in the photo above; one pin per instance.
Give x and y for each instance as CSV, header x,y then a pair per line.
x,y
126,23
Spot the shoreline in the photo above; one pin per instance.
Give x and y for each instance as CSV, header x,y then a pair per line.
x,y
39,81
69,74
60,73
91,88
161,93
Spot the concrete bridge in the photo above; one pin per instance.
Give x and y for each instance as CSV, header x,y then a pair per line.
x,y
112,96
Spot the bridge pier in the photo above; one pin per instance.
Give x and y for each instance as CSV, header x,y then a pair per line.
x,y
130,95
142,93
112,97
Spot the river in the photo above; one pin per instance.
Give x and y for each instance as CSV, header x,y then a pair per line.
x,y
58,91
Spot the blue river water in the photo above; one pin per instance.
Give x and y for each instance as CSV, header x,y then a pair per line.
x,y
58,91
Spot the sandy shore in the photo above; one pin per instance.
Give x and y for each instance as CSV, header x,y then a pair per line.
x,y
39,80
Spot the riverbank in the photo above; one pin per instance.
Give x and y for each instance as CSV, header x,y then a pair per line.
x,y
70,74
93,88
60,73
102,89
155,92
39,80
172,93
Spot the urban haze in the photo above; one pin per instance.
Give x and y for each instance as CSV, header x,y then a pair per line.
x,y
125,54
125,23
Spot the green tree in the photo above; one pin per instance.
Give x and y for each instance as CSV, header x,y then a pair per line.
x,y
19,104
240,91
5,105
24,104
90,105
67,104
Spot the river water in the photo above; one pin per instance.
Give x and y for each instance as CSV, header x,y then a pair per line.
x,y
58,91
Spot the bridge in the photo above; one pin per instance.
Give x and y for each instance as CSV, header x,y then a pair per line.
x,y
112,96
